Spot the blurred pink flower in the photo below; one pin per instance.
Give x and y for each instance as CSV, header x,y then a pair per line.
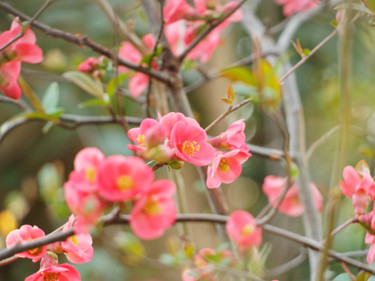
x,y
233,138
154,211
24,234
226,167
123,178
138,135
175,10
242,229
50,270
295,6
291,204
359,187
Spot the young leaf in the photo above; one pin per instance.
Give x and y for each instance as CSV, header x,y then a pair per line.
x,y
115,82
85,82
241,74
51,98
231,92
92,102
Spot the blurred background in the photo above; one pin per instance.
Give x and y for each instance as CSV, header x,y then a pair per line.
x,y
35,162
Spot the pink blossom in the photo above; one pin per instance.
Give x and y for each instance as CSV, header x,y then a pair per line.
x,y
291,204
77,248
226,167
295,6
233,138
139,81
9,73
86,164
242,229
87,206
190,144
122,178
359,187
154,211
175,10
138,135
24,234
50,270
168,121
94,65
24,49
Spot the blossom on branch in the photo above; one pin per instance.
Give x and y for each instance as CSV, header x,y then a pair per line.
x,y
295,6
242,229
23,49
291,204
23,235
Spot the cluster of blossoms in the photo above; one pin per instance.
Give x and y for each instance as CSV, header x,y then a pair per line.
x,y
77,248
98,181
291,205
359,186
183,23
176,138
21,50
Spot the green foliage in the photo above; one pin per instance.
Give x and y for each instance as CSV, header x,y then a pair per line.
x,y
85,82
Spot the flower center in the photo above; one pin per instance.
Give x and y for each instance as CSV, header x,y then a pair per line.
x,y
50,276
224,165
36,251
141,140
74,239
152,207
125,182
90,174
190,147
247,230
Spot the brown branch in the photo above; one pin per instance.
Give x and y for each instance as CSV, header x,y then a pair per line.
x,y
82,40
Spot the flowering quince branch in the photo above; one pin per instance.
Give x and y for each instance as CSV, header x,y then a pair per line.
x,y
84,41
208,30
125,219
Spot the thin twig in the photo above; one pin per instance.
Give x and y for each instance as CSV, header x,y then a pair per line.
x,y
281,269
19,103
344,225
229,110
320,141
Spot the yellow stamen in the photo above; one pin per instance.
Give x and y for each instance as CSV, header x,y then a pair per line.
x,y
152,207
190,147
224,165
74,240
247,230
125,182
50,276
141,140
36,251
90,174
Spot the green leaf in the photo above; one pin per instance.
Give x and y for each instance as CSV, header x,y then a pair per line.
x,y
93,102
231,92
355,6
115,82
228,101
241,74
51,98
370,4
342,277
85,82
147,59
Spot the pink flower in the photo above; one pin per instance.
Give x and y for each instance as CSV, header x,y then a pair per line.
x,y
242,229
139,81
154,211
359,187
295,6
175,10
49,270
226,167
86,164
138,135
23,235
168,121
77,248
190,144
9,73
122,178
291,204
94,65
24,49
233,138
87,206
